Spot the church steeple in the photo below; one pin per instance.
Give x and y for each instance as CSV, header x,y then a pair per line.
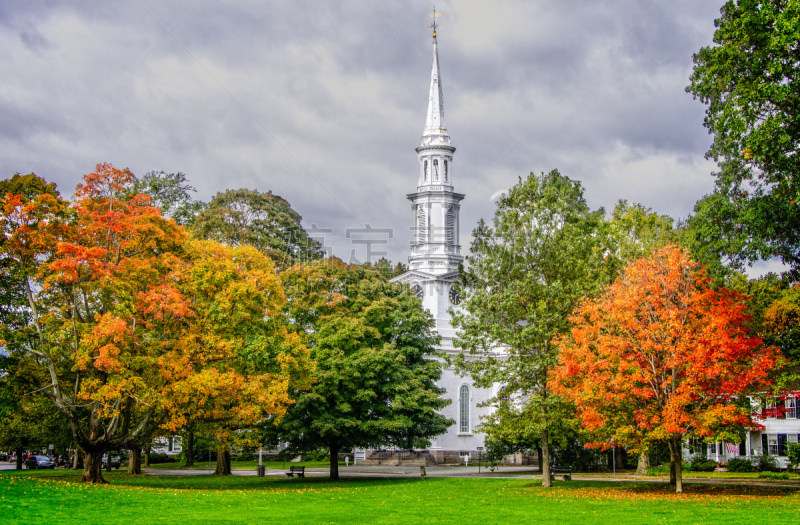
x,y
435,129
435,249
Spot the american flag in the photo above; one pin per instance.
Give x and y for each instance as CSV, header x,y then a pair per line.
x,y
732,448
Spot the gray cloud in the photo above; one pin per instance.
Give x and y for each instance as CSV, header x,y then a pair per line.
x,y
323,103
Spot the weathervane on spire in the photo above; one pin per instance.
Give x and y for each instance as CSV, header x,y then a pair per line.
x,y
434,25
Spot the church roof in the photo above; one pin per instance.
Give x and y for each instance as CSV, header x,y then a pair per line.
x,y
435,130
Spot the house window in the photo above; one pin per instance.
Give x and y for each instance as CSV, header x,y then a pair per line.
x,y
774,411
772,444
435,169
791,408
463,400
174,444
445,170
425,169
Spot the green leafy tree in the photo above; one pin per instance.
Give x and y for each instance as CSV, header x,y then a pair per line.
x,y
384,267
750,79
376,367
637,231
170,193
782,328
543,252
262,220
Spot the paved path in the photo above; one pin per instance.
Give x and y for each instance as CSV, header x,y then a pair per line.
x,y
472,472
461,472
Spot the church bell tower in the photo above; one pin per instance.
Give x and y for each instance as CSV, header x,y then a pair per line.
x,y
435,206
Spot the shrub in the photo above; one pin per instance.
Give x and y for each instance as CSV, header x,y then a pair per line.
x,y
773,475
160,458
663,470
793,454
767,463
701,464
316,455
740,465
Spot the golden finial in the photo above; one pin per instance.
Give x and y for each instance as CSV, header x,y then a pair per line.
x,y
434,25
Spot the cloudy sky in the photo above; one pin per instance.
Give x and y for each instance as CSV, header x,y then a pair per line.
x,y
323,102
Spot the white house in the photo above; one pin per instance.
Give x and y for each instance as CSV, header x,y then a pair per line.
x,y
781,422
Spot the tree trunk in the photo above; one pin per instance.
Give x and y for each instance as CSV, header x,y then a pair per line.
x,y
19,458
76,460
188,450
135,461
676,474
147,457
539,457
108,462
620,463
334,474
92,473
223,462
545,461
644,464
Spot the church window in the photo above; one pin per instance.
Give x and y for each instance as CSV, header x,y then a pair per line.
x,y
450,224
421,225
445,170
435,169
463,402
425,169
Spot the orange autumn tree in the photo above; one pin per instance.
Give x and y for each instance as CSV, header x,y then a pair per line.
x,y
231,362
114,317
84,267
660,356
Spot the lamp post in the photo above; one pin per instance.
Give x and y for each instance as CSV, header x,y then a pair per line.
x,y
261,469
480,449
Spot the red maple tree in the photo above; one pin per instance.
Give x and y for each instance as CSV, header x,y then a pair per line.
x,y
661,356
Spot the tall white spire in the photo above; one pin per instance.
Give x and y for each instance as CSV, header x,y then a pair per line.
x,y
435,129
435,249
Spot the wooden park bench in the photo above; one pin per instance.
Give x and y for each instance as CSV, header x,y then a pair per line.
x,y
564,472
300,471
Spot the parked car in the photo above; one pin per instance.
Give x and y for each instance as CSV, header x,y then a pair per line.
x,y
116,462
39,462
3,456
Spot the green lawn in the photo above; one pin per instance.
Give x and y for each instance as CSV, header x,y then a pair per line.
x,y
54,497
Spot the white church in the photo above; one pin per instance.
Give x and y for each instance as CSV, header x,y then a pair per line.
x,y
433,266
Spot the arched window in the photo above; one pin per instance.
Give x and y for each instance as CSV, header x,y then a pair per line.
x,y
463,405
425,164
435,169
422,226
445,170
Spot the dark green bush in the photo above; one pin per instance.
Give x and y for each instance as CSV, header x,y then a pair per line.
x,y
701,464
316,455
767,463
739,465
161,458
